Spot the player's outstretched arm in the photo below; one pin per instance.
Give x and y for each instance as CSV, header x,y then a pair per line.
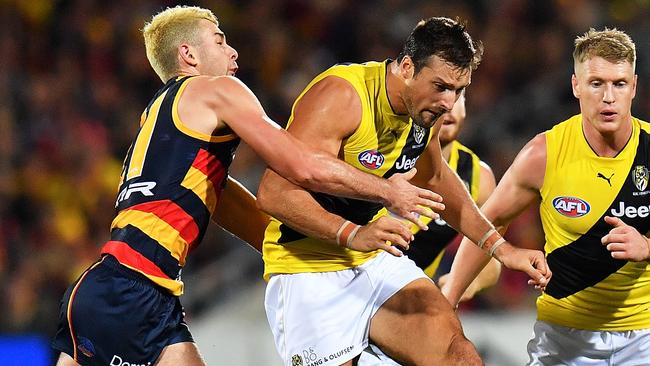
x,y
308,163
518,188
489,276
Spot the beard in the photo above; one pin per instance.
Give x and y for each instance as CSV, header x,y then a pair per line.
x,y
426,119
423,118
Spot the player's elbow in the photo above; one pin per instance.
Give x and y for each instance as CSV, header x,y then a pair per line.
x,y
306,173
264,201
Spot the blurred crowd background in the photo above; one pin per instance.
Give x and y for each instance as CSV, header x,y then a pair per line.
x,y
74,80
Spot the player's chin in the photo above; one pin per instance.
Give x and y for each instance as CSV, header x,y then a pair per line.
x,y
424,121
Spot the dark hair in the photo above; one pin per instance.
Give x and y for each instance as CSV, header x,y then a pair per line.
x,y
445,38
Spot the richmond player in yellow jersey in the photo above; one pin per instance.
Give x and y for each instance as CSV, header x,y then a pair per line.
x,y
125,310
590,177
329,288
428,246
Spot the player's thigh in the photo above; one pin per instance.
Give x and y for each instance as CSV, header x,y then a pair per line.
x,y
184,353
416,323
65,360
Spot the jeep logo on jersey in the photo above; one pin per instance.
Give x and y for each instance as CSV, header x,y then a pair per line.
x,y
630,211
640,177
371,159
571,206
406,163
418,134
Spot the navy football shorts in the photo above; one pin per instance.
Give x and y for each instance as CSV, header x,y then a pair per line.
x,y
115,316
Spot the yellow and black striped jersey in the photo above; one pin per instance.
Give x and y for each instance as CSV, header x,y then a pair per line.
x,y
589,289
385,143
170,184
427,248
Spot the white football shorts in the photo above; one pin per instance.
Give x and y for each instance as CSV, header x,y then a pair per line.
x,y
556,345
323,318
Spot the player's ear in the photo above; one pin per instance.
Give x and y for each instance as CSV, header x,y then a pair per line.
x,y
186,54
575,86
407,67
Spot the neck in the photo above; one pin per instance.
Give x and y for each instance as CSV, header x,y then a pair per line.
x,y
394,87
607,144
446,150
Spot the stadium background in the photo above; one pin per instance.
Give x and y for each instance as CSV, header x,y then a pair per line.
x,y
74,79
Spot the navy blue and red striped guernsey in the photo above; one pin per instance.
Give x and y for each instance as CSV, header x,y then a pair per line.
x,y
169,188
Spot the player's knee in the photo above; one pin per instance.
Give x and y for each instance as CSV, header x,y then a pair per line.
x,y
462,352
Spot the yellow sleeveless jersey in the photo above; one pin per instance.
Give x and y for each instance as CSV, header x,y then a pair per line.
x,y
384,144
589,289
427,248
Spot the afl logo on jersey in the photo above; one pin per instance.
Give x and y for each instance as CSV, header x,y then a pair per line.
x,y
571,206
371,159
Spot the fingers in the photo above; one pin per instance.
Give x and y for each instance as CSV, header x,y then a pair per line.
x,y
391,249
537,269
536,285
390,224
410,174
614,221
539,262
612,238
428,195
395,239
414,218
618,250
429,207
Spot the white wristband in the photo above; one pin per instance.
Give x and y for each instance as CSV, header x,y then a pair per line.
x,y
496,245
485,237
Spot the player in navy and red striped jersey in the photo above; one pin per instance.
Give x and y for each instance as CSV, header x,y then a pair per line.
x,y
125,308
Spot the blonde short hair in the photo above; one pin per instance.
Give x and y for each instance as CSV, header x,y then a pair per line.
x,y
167,30
611,44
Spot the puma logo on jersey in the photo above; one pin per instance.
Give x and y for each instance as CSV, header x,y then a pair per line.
x,y
608,179
405,163
144,188
571,206
630,211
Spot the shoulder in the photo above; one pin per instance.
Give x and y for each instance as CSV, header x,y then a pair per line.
x,y
534,152
219,91
215,83
332,92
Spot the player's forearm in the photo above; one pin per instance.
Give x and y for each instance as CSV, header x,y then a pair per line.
x,y
489,276
468,263
280,198
238,214
333,176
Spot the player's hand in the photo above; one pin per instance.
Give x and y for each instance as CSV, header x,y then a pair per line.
x,y
469,294
531,262
411,202
625,242
377,234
